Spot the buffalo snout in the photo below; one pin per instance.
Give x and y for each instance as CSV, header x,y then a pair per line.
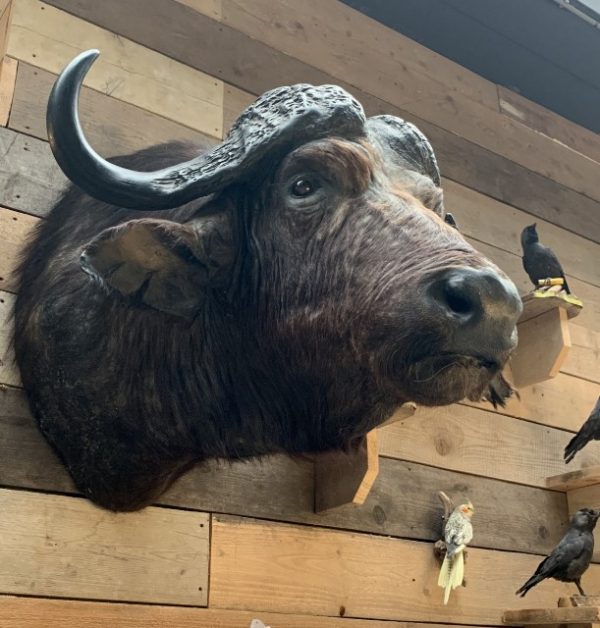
x,y
480,309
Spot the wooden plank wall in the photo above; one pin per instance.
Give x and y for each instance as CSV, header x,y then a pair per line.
x,y
231,542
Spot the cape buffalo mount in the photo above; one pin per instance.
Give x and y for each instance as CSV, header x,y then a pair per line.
x,y
284,291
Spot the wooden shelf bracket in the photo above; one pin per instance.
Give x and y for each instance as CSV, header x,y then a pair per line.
x,y
544,338
346,478
581,486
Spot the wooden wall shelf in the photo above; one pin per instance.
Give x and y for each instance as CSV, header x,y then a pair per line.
x,y
346,478
544,338
580,610
552,616
582,487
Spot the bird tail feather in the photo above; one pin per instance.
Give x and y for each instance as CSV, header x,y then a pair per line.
x,y
451,574
535,579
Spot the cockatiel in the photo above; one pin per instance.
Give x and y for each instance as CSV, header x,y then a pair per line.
x,y
457,535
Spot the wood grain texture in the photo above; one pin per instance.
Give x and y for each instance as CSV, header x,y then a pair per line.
x,y
333,37
30,180
255,67
6,7
585,497
9,373
583,359
343,478
39,613
578,478
510,139
8,75
316,571
491,221
112,126
541,616
563,402
549,123
63,546
49,38
336,39
483,443
15,228
544,343
512,265
402,502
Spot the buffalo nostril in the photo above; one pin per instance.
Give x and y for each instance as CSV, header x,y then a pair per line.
x,y
458,302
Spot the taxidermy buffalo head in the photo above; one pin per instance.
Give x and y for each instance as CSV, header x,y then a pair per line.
x,y
283,291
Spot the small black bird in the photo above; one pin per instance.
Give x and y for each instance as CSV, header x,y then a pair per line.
x,y
571,557
450,220
590,430
539,261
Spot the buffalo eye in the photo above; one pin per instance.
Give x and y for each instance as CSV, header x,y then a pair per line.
x,y
302,188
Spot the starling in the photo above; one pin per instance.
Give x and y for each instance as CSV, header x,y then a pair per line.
x,y
458,533
571,557
590,430
539,261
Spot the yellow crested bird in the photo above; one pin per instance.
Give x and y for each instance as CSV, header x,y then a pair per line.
x,y
457,535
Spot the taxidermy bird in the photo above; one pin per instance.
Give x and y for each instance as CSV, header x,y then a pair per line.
x,y
457,535
539,261
590,430
571,557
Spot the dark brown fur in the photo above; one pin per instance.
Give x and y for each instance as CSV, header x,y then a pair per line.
x,y
306,328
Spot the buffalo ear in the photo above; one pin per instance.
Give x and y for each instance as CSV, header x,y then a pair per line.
x,y
164,264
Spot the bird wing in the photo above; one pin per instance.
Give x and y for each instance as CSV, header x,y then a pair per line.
x,y
550,262
570,548
590,430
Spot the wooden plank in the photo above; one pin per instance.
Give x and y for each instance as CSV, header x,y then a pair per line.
x,y
574,479
112,126
8,75
489,220
584,358
5,23
481,442
40,613
549,123
584,497
562,402
512,140
540,302
212,8
63,546
544,343
30,179
9,373
343,478
512,265
311,570
411,66
124,70
579,600
404,70
543,616
260,67
402,502
317,34
15,229
234,102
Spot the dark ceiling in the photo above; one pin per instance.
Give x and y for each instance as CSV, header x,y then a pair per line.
x,y
534,47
